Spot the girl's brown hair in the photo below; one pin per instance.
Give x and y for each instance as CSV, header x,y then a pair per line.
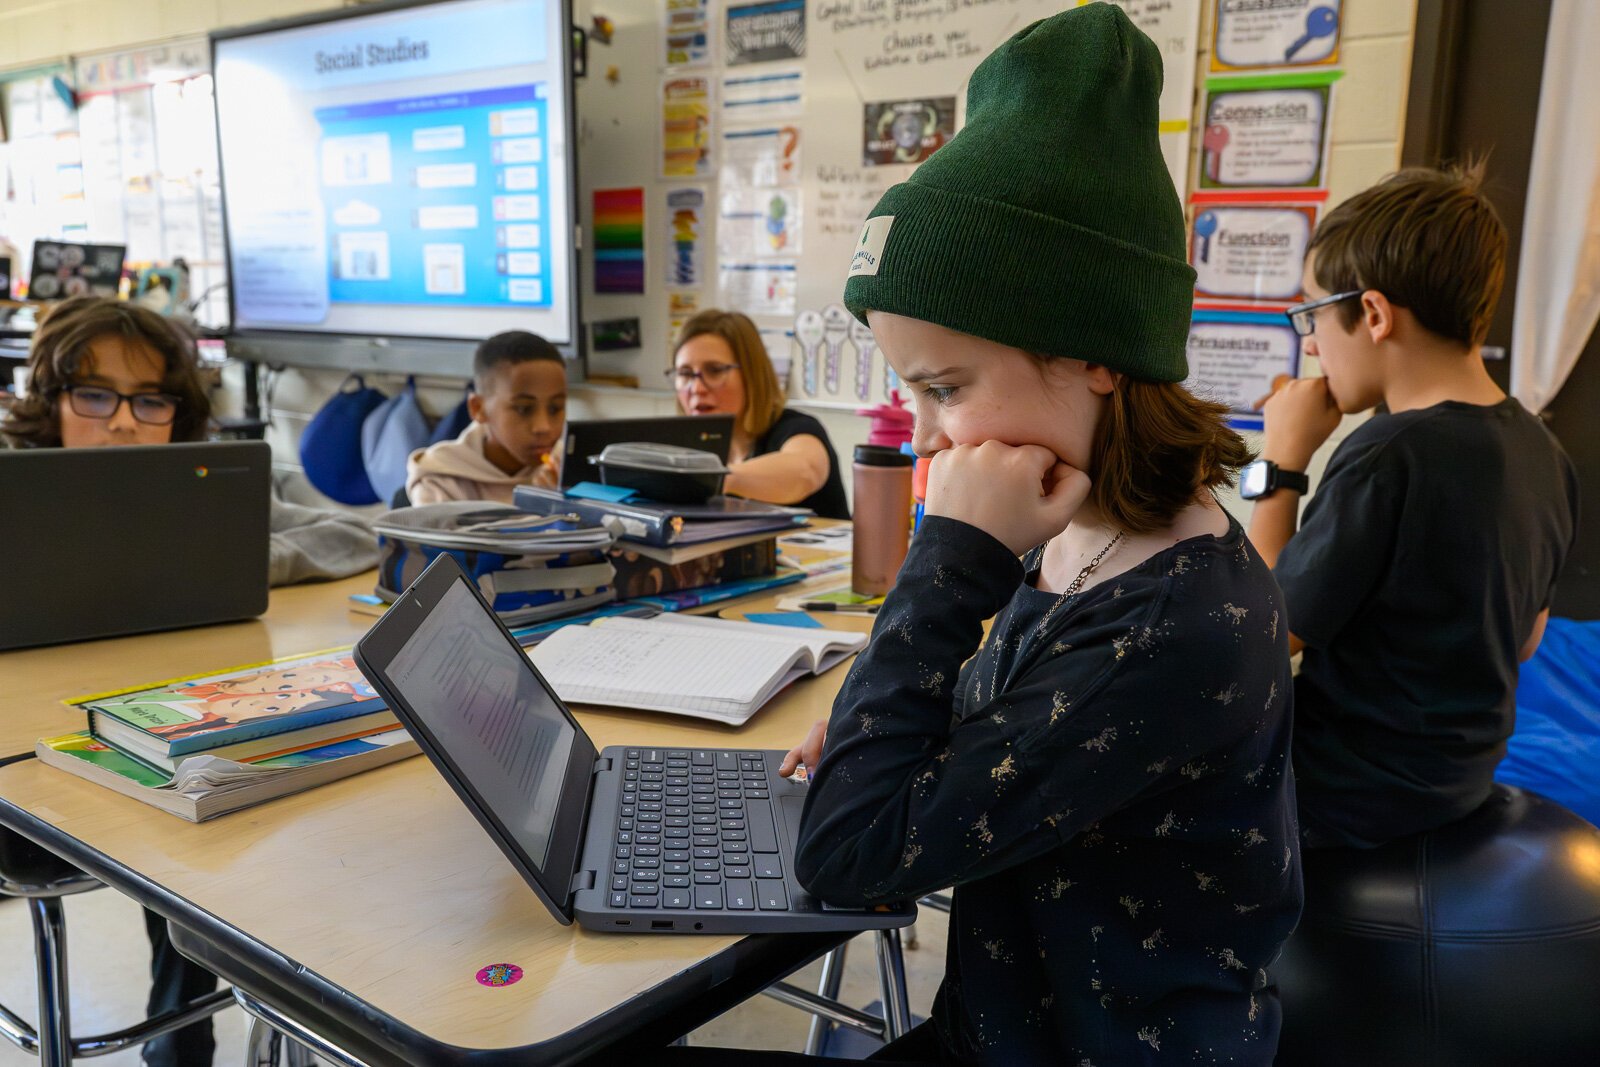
x,y
763,396
1157,447
61,350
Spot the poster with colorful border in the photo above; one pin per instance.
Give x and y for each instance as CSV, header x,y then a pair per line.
x,y
1254,34
1268,131
1248,248
1238,357
686,127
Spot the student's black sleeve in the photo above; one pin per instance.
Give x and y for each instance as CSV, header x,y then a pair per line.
x,y
1345,546
906,801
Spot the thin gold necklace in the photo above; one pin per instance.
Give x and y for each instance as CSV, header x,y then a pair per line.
x,y
1083,576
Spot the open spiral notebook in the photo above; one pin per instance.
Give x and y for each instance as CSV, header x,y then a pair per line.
x,y
687,665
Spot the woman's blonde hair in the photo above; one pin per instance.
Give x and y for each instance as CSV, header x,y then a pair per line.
x,y
763,395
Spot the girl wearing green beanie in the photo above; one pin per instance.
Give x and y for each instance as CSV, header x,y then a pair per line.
x,y
1104,779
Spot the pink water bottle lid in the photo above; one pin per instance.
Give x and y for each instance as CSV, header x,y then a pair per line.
x,y
891,422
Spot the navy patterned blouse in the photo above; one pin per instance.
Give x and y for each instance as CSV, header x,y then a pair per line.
x,y
1105,783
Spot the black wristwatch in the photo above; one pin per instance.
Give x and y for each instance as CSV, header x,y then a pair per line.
x,y
1264,477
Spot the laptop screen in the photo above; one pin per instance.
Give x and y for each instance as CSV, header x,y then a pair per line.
x,y
479,697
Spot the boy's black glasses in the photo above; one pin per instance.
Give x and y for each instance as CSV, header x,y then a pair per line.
x,y
96,402
1303,316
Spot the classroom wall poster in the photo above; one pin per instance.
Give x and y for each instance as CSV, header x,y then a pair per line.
x,y
763,32
761,158
1244,251
759,224
1264,135
1238,357
686,135
686,237
619,240
681,307
686,33
758,288
1251,34
762,94
906,131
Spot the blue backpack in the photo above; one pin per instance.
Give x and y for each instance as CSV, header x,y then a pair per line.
x,y
389,434
330,447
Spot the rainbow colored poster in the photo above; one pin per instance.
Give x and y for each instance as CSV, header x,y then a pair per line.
x,y
619,240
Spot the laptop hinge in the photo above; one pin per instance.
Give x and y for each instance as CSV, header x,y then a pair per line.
x,y
580,881
602,764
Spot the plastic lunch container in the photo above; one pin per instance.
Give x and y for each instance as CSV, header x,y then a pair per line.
x,y
669,473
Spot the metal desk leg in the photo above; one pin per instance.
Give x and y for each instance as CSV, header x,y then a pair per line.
x,y
832,975
270,1029
892,983
50,952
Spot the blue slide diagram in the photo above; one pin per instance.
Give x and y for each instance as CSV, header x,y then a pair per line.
x,y
439,199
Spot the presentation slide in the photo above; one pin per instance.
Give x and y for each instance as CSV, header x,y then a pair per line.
x,y
401,174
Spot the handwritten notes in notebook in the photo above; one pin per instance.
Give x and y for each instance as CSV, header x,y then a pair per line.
x,y
705,668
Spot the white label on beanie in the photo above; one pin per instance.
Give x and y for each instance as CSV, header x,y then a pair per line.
x,y
869,250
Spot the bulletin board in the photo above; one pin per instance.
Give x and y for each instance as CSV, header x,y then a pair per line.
x,y
120,148
772,127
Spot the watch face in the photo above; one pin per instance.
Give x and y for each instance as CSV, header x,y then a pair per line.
x,y
1253,480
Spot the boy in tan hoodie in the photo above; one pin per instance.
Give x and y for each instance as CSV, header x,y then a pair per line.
x,y
518,407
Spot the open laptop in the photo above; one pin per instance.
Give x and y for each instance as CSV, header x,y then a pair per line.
x,y
637,837
108,541
587,438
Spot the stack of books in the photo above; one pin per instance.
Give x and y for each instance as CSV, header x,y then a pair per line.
x,y
529,567
672,552
200,747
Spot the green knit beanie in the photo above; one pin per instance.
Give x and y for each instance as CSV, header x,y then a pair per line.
x,y
1049,223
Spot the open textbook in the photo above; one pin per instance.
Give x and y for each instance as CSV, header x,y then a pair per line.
x,y
687,665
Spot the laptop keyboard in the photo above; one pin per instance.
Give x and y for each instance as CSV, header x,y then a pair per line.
x,y
695,833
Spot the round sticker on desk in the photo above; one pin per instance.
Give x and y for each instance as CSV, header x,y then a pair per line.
x,y
498,974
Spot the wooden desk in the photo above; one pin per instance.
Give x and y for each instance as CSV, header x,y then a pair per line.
x,y
379,897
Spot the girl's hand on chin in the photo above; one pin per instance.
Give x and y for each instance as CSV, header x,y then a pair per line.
x,y
1020,495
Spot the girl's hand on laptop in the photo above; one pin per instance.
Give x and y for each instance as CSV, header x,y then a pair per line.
x,y
1021,495
807,753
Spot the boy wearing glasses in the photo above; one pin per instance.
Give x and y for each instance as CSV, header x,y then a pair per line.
x,y
1423,570
519,417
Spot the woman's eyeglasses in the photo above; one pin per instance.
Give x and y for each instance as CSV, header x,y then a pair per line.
x,y
1303,316
96,402
713,374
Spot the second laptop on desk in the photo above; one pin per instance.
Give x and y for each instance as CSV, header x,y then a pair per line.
x,y
634,838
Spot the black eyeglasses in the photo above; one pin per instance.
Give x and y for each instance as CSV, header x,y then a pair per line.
x,y
1303,316
713,374
97,402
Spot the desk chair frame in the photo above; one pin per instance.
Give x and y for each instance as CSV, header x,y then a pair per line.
x,y
52,1042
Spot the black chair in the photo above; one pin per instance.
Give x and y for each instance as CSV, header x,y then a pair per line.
x,y
1474,944
42,879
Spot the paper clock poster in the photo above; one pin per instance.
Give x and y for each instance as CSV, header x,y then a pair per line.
x,y
1251,34
1249,251
1235,357
1264,137
686,216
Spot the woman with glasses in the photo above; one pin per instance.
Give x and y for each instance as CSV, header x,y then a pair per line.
x,y
105,373
778,455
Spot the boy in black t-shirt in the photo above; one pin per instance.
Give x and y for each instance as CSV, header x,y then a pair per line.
x,y
1423,571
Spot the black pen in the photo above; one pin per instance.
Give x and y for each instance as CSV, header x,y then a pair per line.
x,y
846,609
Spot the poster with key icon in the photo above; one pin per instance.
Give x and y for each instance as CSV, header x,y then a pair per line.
x,y
1256,34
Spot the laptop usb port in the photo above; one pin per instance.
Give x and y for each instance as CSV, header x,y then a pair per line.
x,y
660,924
